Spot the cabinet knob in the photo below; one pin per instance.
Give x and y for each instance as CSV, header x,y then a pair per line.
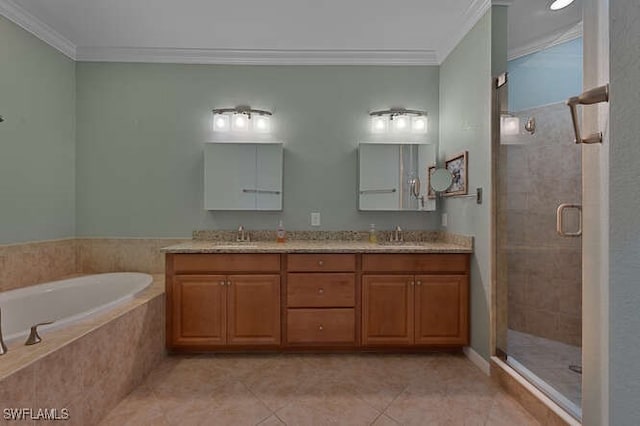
x,y
412,283
320,262
228,282
419,283
222,283
321,291
320,328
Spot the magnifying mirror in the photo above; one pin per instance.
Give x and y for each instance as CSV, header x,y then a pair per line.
x,y
414,185
441,180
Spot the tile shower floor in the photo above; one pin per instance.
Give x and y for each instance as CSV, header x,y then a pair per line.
x,y
550,361
350,389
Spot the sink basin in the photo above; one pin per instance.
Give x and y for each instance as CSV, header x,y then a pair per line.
x,y
235,246
403,245
400,244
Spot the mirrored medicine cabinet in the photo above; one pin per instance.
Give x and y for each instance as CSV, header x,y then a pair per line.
x,y
393,176
243,176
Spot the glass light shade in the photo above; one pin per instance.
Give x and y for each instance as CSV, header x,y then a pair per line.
x,y
240,122
261,123
560,4
220,123
400,123
379,124
419,124
509,126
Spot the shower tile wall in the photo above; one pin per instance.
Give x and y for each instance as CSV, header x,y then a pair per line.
x,y
543,269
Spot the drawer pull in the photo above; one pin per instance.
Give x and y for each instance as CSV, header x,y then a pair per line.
x,y
321,291
320,328
320,262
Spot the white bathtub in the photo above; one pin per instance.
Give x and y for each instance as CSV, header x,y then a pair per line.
x,y
66,301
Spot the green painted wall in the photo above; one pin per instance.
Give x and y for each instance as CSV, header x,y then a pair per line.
x,y
37,140
141,129
465,124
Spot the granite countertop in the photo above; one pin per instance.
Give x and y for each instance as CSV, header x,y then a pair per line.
x,y
326,243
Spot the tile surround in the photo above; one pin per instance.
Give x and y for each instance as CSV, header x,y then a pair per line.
x,y
26,264
74,367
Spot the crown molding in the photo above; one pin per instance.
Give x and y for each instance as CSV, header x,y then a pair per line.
x,y
472,15
257,56
24,19
567,34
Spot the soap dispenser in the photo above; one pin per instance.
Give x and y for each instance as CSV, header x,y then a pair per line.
x,y
373,237
281,234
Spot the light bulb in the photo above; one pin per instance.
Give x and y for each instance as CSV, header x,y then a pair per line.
x,y
560,4
378,124
509,126
240,122
262,124
419,124
220,122
400,123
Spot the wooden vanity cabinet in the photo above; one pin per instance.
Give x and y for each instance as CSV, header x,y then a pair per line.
x,y
317,301
208,309
421,309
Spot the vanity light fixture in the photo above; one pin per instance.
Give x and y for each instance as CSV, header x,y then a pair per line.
x,y
399,120
241,119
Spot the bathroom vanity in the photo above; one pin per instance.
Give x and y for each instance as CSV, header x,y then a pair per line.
x,y
311,296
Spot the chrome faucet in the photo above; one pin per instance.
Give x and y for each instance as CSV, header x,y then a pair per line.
x,y
396,237
3,347
242,237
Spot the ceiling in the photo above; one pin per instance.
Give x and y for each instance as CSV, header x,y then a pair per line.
x,y
533,26
399,32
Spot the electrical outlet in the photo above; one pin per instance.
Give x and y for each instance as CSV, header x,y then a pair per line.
x,y
445,219
315,219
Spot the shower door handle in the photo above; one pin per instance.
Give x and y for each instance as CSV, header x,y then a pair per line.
x,y
560,220
590,97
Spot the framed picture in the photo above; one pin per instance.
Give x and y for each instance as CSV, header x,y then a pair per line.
x,y
458,167
431,194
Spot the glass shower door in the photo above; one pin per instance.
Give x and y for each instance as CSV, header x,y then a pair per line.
x,y
539,267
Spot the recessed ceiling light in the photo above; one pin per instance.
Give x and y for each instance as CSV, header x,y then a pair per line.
x,y
560,4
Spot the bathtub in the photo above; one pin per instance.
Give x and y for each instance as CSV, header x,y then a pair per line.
x,y
66,301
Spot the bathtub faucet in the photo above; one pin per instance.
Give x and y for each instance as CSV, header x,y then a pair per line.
x,y
3,347
34,337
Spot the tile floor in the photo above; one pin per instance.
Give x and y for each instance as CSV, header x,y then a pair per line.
x,y
286,389
549,360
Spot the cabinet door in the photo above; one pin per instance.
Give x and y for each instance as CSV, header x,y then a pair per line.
x,y
269,177
254,310
199,310
441,310
379,177
229,176
387,308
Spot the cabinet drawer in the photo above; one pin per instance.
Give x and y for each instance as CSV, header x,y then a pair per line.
x,y
321,326
321,290
321,262
435,263
225,262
